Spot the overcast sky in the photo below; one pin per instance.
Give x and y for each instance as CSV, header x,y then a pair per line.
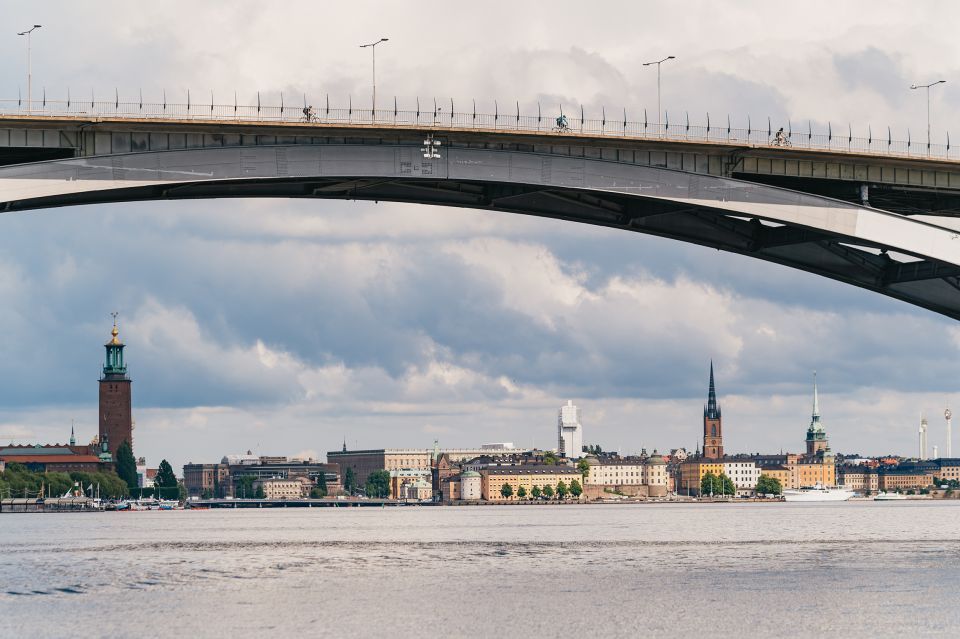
x,y
284,327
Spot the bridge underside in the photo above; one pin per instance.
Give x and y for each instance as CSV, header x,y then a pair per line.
x,y
890,254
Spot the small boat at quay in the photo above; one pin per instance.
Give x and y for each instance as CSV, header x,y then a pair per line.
x,y
884,496
818,492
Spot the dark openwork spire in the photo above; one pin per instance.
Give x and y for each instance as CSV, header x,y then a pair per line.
x,y
711,410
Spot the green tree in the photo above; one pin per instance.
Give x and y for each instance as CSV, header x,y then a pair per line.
x,y
349,481
165,481
562,490
181,492
548,491
710,484
165,477
506,490
317,492
378,484
126,464
767,485
245,487
583,467
727,486
536,492
322,482
550,458
575,488
521,492
258,494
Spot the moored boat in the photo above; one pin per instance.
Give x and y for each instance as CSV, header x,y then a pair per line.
x,y
885,496
818,492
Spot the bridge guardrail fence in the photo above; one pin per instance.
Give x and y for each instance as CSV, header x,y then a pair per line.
x,y
442,118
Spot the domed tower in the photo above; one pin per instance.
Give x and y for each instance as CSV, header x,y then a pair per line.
x,y
470,486
656,475
116,418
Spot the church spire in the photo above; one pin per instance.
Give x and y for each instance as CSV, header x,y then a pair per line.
x,y
816,433
711,410
73,438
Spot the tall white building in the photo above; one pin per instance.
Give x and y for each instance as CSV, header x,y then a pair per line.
x,y
923,437
569,431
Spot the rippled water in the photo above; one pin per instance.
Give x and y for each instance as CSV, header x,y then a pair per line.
x,y
773,570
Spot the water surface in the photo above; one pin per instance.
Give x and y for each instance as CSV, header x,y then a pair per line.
x,y
775,570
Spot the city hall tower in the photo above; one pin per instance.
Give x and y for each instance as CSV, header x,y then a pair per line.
x,y
116,418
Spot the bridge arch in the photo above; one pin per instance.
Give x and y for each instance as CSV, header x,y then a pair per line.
x,y
904,258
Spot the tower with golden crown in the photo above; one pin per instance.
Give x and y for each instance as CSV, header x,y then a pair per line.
x,y
116,411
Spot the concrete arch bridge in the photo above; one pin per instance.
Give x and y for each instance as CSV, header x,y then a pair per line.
x,y
875,218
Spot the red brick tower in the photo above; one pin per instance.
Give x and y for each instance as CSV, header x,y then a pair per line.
x,y
116,417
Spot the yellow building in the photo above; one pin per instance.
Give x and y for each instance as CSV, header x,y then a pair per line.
x,y
493,479
811,471
692,472
280,488
781,473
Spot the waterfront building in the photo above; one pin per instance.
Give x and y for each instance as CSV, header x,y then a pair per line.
x,y
441,469
805,470
632,476
221,480
204,481
860,478
281,488
900,479
949,469
278,467
419,490
116,416
400,477
493,479
451,489
816,434
145,476
692,472
364,462
780,473
712,423
471,486
569,431
744,473
53,458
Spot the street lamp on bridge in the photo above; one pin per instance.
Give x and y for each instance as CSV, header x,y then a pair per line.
x,y
927,87
373,50
29,68
658,63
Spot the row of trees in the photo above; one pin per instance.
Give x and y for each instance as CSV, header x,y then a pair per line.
x,y
721,485
547,492
17,481
711,484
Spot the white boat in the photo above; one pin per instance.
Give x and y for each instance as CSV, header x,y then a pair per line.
x,y
889,497
817,493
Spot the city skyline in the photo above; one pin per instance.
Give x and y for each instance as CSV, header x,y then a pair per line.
x,y
289,325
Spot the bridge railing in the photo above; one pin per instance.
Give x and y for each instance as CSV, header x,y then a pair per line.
x,y
442,118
